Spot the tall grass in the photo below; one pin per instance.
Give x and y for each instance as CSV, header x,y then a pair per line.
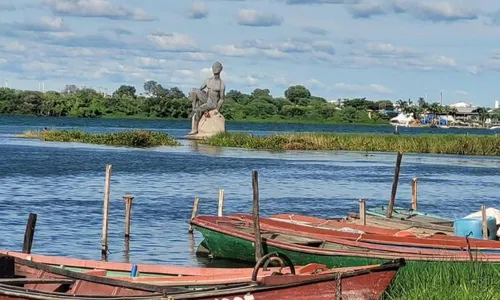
x,y
439,144
446,280
132,138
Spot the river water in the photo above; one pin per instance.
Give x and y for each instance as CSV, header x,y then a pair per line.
x,y
63,184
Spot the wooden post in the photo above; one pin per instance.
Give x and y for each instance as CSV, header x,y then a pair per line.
x,y
394,186
256,220
220,211
194,213
485,222
29,233
414,197
128,211
105,212
362,211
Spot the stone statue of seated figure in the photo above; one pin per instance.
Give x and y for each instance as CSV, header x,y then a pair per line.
x,y
210,100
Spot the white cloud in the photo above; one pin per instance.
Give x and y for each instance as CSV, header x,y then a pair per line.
x,y
232,50
463,93
281,81
13,46
370,88
315,83
434,11
387,49
196,56
251,17
198,10
95,8
474,70
185,72
173,41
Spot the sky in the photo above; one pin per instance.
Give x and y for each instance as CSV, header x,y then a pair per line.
x,y
390,49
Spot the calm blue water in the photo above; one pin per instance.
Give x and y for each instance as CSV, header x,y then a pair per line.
x,y
63,183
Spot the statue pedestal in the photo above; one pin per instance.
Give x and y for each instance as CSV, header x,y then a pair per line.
x,y
209,126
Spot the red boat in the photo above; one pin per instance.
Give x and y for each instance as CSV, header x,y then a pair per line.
x,y
374,241
27,279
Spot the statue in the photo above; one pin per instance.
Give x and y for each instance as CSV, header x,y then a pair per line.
x,y
209,101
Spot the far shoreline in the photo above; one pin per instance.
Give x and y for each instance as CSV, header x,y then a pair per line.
x,y
255,121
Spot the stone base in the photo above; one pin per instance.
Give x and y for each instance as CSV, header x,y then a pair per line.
x,y
209,126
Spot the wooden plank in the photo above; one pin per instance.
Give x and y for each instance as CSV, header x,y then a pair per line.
x,y
35,281
414,198
255,213
105,213
401,224
194,213
485,222
29,233
220,210
362,211
394,185
128,212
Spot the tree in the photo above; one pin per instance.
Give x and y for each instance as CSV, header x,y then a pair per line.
x,y
261,93
125,90
175,93
297,92
383,104
482,113
349,114
69,89
359,103
403,106
422,103
150,87
153,88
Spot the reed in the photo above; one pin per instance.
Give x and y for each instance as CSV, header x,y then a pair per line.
x,y
445,280
438,144
132,138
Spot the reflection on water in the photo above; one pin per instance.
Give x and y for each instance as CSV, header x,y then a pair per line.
x,y
63,183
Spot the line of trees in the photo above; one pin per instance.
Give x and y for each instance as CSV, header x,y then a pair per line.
x,y
297,103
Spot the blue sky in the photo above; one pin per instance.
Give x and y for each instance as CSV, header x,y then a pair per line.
x,y
387,49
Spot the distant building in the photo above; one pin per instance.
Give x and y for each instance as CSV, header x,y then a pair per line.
x,y
465,111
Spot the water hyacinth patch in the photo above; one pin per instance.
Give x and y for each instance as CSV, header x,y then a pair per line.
x,y
132,138
486,145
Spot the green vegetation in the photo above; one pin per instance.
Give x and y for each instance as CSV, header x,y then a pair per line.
x,y
297,105
445,280
438,144
134,138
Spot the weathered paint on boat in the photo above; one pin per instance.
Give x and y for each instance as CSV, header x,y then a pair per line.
x,y
313,246
230,247
33,280
370,241
403,213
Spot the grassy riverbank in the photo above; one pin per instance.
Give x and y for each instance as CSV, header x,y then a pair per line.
x,y
444,280
437,144
132,138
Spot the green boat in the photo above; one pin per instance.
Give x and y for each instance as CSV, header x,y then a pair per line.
x,y
233,238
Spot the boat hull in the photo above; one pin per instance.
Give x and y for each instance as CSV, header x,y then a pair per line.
x,y
231,247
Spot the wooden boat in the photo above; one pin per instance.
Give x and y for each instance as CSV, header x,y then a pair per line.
x,y
405,219
232,237
353,224
159,274
410,214
401,244
26,279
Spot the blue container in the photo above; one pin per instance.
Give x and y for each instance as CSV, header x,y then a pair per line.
x,y
462,227
133,272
